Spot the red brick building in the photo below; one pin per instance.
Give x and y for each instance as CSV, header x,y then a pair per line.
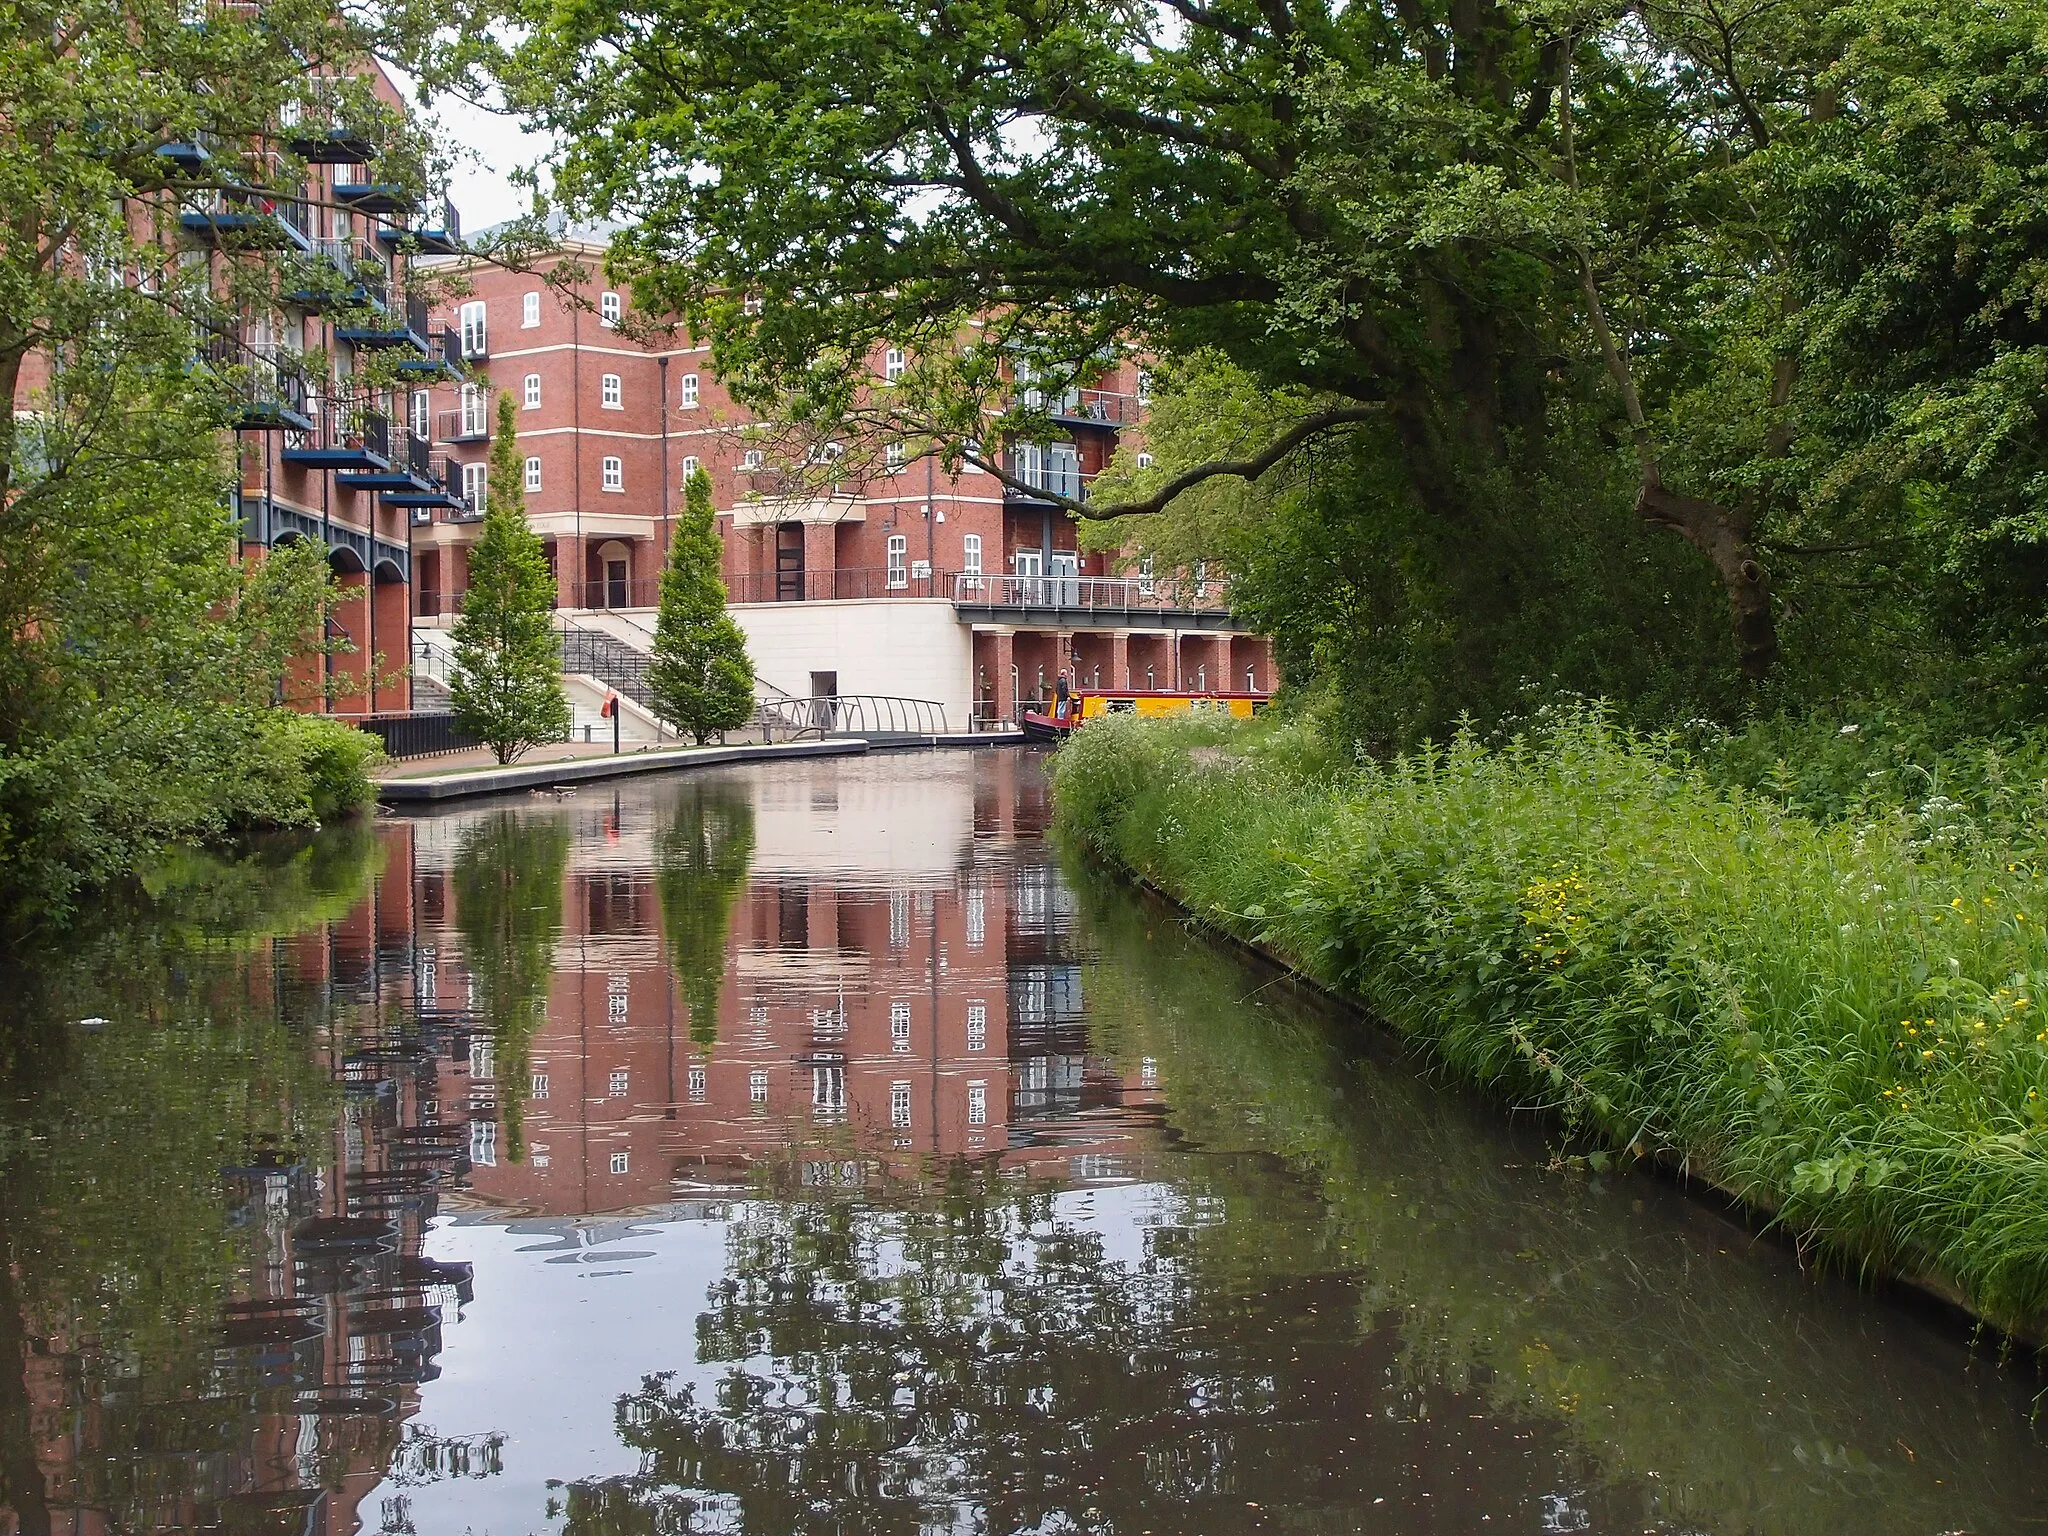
x,y
921,583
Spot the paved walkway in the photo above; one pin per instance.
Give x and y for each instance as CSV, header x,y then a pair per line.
x,y
460,774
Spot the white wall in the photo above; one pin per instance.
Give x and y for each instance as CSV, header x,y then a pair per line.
x,y
907,648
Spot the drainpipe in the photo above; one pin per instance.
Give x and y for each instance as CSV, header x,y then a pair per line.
x,y
576,405
668,532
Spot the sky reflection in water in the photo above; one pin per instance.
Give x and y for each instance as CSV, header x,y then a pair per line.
x,y
801,1150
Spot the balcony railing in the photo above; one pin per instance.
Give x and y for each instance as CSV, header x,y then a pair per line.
x,y
1058,473
463,425
837,584
1102,594
1096,407
270,381
254,220
345,435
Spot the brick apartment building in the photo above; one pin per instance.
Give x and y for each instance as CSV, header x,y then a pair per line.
x,y
323,452
919,583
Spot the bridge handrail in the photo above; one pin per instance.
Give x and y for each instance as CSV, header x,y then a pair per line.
x,y
850,714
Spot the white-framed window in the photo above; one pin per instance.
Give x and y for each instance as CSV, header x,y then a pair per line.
x,y
977,1103
609,308
757,1087
751,460
532,473
970,566
476,340
476,416
690,464
899,1105
1201,578
483,1143
537,1086
422,413
1145,582
610,395
828,1090
530,395
689,400
615,1088
972,450
899,557
529,311
1251,679
698,1082
751,304
622,1162
475,485
1148,1072
899,919
1144,461
977,1026
892,364
892,458
899,1026
1144,387
483,1057
614,474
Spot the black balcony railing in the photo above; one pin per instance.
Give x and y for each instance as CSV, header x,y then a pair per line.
x,y
467,424
839,584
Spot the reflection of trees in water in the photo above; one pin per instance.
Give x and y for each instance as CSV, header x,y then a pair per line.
x,y
702,853
980,1361
137,1056
920,1355
507,876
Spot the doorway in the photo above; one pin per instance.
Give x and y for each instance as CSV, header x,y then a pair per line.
x,y
1064,590
789,563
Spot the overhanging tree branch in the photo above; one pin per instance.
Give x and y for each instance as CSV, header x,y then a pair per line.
x,y
1214,469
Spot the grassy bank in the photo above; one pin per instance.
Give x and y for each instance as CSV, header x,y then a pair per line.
x,y
1841,1022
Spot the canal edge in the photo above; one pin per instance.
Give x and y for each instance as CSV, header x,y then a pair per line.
x,y
1932,1296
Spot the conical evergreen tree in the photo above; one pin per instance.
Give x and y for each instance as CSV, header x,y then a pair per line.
x,y
507,678
701,678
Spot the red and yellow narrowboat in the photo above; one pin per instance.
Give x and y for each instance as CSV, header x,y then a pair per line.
x,y
1077,709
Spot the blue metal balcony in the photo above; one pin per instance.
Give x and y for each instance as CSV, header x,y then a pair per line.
x,y
428,238
443,359
252,221
343,438
388,325
357,191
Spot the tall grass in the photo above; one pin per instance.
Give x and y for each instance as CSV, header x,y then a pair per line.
x,y
1843,1023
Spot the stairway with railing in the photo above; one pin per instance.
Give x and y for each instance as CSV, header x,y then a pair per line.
x,y
608,659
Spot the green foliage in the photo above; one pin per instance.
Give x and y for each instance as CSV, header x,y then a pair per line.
x,y
507,679
700,677
136,654
702,854
1842,1023
508,903
1768,285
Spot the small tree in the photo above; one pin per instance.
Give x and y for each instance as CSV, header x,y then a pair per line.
x,y
701,678
507,678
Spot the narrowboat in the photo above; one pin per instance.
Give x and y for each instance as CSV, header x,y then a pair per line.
x,y
1077,709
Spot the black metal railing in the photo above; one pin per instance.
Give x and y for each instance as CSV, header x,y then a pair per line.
x,y
839,583
418,735
467,424
1058,474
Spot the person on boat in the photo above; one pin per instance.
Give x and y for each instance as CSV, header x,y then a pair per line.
x,y
1063,698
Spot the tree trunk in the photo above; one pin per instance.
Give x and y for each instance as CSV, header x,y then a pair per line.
x,y
1724,537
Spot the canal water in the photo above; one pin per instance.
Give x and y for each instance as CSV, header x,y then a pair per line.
x,y
809,1149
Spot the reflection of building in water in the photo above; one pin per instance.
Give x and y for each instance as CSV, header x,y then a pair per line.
x,y
925,1003
299,1406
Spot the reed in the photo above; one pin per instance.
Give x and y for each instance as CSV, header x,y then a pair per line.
x,y
1842,1023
